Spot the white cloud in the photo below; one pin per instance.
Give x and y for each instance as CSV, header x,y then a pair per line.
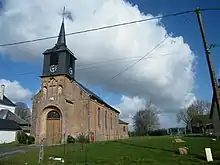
x,y
129,106
14,91
166,76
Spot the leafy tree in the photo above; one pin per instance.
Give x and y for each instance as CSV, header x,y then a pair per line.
x,y
198,107
23,111
146,120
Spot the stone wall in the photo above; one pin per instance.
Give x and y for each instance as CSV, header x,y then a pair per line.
x,y
79,113
123,131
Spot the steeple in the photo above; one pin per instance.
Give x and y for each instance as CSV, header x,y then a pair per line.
x,y
61,41
59,60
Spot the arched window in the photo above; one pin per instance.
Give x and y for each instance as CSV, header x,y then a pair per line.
x,y
53,115
106,120
111,122
124,128
99,120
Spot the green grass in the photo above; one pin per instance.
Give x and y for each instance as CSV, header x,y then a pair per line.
x,y
143,151
10,145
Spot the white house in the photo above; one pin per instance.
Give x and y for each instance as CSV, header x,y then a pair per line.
x,y
8,130
5,103
215,116
9,121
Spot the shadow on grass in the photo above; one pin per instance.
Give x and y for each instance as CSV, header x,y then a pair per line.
x,y
200,135
200,157
147,147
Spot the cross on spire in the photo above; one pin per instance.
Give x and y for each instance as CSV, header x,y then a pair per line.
x,y
64,13
61,38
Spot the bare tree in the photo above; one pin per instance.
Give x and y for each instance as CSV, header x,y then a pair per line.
x,y
146,119
23,111
199,107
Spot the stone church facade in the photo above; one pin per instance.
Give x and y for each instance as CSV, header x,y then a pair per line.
x,y
65,107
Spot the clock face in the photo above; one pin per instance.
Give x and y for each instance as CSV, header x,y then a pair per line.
x,y
53,68
70,70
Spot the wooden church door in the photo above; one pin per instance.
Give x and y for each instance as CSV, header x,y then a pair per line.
x,y
53,128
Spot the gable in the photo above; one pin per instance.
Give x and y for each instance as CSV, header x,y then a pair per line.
x,y
7,102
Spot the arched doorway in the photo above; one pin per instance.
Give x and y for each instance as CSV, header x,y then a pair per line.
x,y
53,129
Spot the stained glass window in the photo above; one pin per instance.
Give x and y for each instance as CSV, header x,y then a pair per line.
x,y
53,115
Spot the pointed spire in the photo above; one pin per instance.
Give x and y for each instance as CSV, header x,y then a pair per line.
x,y
62,38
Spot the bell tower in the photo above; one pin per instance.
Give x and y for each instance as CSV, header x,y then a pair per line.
x,y
59,60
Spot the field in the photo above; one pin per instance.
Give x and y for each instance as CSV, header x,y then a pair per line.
x,y
142,150
9,145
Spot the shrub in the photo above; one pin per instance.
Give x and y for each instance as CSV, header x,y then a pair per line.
x,y
82,138
70,139
22,137
31,140
159,132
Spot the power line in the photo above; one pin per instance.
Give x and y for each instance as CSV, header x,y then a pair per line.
x,y
122,59
100,64
114,26
214,46
138,60
107,61
143,56
100,28
111,26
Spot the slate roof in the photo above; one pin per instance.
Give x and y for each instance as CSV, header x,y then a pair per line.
x,y
9,125
8,115
122,122
94,96
61,43
214,107
7,102
61,46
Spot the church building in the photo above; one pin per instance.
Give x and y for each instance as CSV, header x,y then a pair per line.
x,y
65,107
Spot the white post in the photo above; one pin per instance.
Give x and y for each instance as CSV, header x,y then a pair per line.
x,y
41,152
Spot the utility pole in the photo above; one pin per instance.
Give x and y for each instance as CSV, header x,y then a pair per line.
x,y
209,59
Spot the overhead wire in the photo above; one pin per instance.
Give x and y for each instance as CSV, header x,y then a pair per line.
x,y
112,26
124,70
154,48
106,27
99,28
103,63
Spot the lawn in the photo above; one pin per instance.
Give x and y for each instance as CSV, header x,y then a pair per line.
x,y
9,145
144,150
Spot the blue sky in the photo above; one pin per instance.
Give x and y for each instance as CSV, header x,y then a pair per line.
x,y
190,32
28,73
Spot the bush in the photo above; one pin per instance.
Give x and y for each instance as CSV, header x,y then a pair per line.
x,y
31,140
131,134
159,132
82,138
70,139
22,137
